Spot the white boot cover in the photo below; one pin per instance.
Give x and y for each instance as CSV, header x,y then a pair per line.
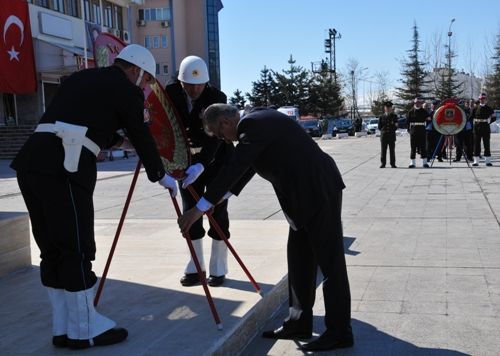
x,y
84,322
198,248
218,258
59,311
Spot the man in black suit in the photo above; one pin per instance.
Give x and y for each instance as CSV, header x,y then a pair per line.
x,y
56,172
191,95
309,187
388,124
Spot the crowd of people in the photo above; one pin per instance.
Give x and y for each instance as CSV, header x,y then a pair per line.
x,y
471,142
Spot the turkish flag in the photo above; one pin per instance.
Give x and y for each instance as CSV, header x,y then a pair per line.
x,y
17,62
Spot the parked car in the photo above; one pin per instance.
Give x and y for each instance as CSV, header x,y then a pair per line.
x,y
402,123
343,126
372,126
291,111
311,127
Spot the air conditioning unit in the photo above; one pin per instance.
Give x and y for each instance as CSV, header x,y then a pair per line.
x,y
165,24
126,36
141,23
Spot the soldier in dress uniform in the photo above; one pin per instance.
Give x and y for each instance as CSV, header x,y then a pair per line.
x,y
387,124
56,172
191,94
483,116
417,118
464,139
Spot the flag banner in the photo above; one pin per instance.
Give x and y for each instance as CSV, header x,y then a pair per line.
x,y
165,124
17,62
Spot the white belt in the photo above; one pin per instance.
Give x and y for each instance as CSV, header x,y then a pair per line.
x,y
417,123
195,150
481,120
87,142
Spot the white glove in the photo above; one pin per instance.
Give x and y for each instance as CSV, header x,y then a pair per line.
x,y
193,172
170,184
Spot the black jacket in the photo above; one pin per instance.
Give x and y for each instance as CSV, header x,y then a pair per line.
x,y
103,100
279,150
212,148
387,125
417,116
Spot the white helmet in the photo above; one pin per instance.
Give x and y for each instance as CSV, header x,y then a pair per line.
x,y
193,70
139,56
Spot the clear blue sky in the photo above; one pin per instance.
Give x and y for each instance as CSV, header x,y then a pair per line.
x,y
254,33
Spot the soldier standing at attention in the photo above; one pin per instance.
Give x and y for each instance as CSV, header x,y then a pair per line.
x,y
483,116
387,124
417,118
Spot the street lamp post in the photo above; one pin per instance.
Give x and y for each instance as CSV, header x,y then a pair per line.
x,y
449,55
330,49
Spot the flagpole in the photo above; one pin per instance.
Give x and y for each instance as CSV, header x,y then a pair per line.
x,y
85,57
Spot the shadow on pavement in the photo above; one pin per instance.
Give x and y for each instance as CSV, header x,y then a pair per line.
x,y
160,321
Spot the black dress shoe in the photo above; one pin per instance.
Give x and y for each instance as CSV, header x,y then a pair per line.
x,y
110,337
290,330
411,166
328,341
190,279
426,165
382,166
59,341
489,164
214,281
456,160
394,166
440,159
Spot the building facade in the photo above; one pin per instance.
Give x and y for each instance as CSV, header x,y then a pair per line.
x,y
63,32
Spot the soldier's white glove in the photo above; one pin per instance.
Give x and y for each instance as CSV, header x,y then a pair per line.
x,y
193,172
169,183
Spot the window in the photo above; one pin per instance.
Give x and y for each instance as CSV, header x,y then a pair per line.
x,y
147,42
96,12
163,41
165,69
59,5
157,68
155,14
108,14
72,7
86,10
156,41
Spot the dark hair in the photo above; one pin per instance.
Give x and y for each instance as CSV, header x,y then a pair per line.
x,y
122,63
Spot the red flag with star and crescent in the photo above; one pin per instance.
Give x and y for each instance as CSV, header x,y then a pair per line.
x,y
17,63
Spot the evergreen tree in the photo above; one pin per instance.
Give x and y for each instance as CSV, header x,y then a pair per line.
x,y
263,90
292,87
324,93
238,99
493,80
413,74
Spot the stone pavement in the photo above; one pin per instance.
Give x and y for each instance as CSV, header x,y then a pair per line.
x,y
423,254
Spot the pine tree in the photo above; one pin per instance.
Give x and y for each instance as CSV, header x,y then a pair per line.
x,y
413,74
324,93
263,90
292,87
238,99
377,107
493,80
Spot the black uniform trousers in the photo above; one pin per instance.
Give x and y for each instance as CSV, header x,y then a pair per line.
x,y
432,140
62,220
219,213
482,131
388,140
463,144
320,243
418,141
